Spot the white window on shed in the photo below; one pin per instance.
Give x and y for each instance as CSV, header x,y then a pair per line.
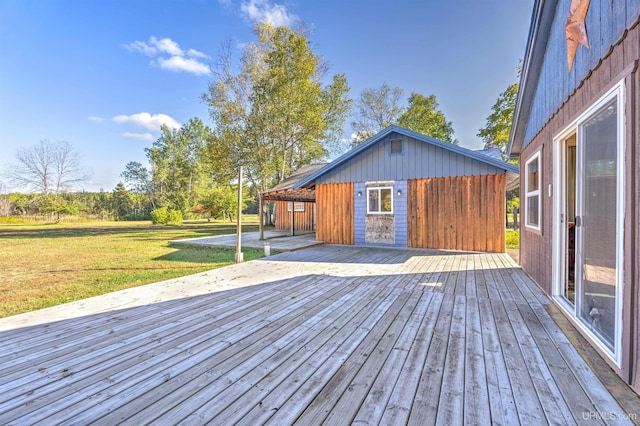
x,y
380,200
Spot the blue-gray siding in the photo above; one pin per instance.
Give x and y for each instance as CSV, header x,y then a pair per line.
x,y
359,213
400,212
417,160
606,22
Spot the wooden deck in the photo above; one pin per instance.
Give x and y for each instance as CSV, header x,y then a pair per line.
x,y
334,335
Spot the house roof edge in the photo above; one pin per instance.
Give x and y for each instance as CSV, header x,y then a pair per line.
x,y
539,31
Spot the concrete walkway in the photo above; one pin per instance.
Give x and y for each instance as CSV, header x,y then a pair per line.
x,y
278,241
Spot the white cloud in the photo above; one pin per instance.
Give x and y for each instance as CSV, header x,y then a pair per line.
x,y
95,119
169,56
274,14
179,63
142,47
196,54
143,136
167,45
148,121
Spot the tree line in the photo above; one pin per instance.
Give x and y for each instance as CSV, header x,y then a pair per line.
x,y
277,110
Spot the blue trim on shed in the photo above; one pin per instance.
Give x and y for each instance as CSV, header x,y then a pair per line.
x,y
359,213
400,213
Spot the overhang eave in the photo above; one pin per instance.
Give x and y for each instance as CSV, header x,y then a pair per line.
x,y
288,194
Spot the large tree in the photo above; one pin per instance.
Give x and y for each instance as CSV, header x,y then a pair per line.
x,y
122,202
220,201
177,169
48,168
498,126
376,109
136,178
274,114
381,107
423,116
138,182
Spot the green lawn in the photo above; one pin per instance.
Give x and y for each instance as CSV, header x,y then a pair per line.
x,y
44,265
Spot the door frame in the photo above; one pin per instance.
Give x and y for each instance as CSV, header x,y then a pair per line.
x,y
559,208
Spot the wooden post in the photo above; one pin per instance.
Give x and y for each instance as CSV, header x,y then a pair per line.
x,y
239,255
292,216
261,216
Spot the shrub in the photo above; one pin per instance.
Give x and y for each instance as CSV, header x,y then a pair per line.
x,y
513,239
11,219
160,216
175,217
164,216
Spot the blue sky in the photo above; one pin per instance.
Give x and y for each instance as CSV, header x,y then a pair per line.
x,y
104,75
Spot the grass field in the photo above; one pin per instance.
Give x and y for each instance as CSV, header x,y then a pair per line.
x,y
48,264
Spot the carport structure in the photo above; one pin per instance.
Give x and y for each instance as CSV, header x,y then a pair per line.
x,y
295,208
332,334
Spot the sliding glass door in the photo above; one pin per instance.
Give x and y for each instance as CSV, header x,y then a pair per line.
x,y
589,208
597,230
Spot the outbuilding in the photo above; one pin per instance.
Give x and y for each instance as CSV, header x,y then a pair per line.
x,y
401,188
295,210
575,130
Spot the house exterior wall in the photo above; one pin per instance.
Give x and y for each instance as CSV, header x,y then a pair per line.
x,y
620,63
606,23
417,160
302,220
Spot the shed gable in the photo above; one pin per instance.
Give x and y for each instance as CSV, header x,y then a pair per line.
x,y
417,159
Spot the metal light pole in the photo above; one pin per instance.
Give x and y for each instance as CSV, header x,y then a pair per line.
x,y
239,255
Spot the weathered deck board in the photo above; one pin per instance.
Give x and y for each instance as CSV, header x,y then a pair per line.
x,y
151,364
331,334
344,328
427,398
476,396
501,401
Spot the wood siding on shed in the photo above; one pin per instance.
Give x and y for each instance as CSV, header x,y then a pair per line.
x,y
303,221
417,160
457,213
334,223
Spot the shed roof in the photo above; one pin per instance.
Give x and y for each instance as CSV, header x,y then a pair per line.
x,y
284,190
309,181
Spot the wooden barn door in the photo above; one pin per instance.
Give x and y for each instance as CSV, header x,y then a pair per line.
x,y
457,213
334,213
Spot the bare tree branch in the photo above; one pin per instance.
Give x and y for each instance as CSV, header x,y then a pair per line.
x,y
47,167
